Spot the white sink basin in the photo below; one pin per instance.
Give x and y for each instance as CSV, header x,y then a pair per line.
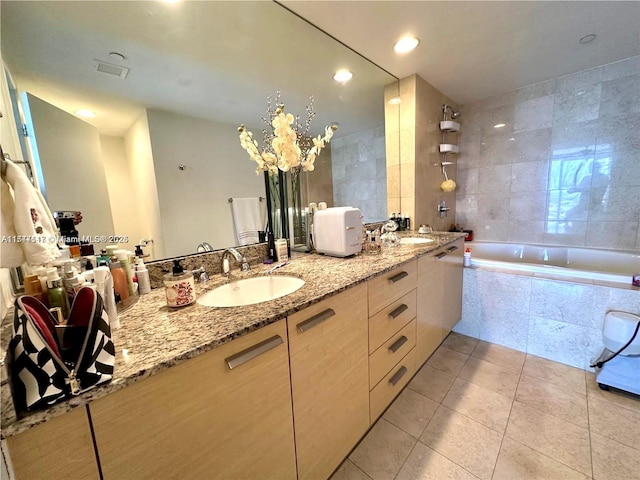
x,y
414,240
250,290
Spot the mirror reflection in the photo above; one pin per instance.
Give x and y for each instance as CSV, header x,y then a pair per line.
x,y
168,85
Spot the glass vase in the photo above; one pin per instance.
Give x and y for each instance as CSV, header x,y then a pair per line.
x,y
298,213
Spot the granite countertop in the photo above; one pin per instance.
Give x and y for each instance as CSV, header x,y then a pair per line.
x,y
153,337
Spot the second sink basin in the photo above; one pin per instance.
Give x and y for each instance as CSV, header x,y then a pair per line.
x,y
249,291
414,240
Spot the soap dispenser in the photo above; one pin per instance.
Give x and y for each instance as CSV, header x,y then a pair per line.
x,y
179,286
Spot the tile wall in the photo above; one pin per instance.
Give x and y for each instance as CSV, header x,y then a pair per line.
x,y
554,319
565,168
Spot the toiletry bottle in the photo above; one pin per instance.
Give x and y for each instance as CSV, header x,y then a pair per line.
x,y
179,286
271,246
281,250
103,257
144,285
56,295
123,258
33,287
120,284
467,257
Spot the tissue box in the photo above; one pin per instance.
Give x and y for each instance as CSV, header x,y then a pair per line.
x,y
337,231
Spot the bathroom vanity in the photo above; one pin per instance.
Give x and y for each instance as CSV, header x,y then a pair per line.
x,y
282,389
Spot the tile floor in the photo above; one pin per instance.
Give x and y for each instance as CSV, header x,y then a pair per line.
x,y
479,410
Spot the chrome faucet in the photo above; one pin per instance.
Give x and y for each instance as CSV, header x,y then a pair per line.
x,y
200,275
442,209
225,269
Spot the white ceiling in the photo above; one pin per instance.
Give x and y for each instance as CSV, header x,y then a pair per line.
x,y
219,60
474,50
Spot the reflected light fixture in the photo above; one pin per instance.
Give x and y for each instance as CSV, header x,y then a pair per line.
x,y
500,125
342,76
588,38
406,44
394,101
85,113
170,1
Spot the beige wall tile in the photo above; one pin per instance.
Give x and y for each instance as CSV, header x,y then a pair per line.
x,y
464,441
519,462
562,441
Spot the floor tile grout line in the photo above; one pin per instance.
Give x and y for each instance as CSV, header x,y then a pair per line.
x,y
513,401
405,460
358,467
589,428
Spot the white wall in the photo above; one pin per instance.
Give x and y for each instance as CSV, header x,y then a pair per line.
x,y
144,197
194,202
71,160
127,219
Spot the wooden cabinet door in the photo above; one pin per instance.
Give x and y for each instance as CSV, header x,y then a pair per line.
x,y
223,414
430,309
328,350
453,266
60,448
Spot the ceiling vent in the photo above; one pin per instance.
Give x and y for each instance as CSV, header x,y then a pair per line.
x,y
110,68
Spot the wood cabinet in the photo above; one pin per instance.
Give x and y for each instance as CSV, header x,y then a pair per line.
x,y
329,380
392,335
61,448
439,297
223,414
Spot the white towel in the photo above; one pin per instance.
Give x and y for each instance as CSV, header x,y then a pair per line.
x,y
248,219
31,221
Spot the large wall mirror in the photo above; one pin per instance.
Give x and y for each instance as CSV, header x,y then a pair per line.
x,y
169,84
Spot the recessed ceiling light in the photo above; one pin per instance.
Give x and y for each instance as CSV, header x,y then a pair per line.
x,y
342,76
406,44
500,125
85,113
588,38
394,101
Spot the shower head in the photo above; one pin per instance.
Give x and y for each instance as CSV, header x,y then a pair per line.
x,y
454,114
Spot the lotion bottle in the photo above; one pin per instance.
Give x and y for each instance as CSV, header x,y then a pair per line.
x,y
179,286
142,274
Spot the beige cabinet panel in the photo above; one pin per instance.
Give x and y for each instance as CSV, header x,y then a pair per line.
x,y
203,419
430,308
60,448
391,319
390,286
390,353
392,384
453,284
329,380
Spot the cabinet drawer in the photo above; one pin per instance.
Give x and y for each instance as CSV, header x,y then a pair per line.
x,y
391,319
392,384
390,286
390,353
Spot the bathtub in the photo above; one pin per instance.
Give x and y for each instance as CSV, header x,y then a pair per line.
x,y
576,262
547,301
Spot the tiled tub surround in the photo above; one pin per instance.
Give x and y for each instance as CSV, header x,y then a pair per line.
x,y
555,318
153,337
566,167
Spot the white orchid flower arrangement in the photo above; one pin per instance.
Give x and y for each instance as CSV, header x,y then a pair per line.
x,y
286,146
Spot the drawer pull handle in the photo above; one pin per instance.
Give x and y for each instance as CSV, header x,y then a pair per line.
x,y
398,375
402,308
397,344
452,249
441,254
397,277
316,320
252,352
